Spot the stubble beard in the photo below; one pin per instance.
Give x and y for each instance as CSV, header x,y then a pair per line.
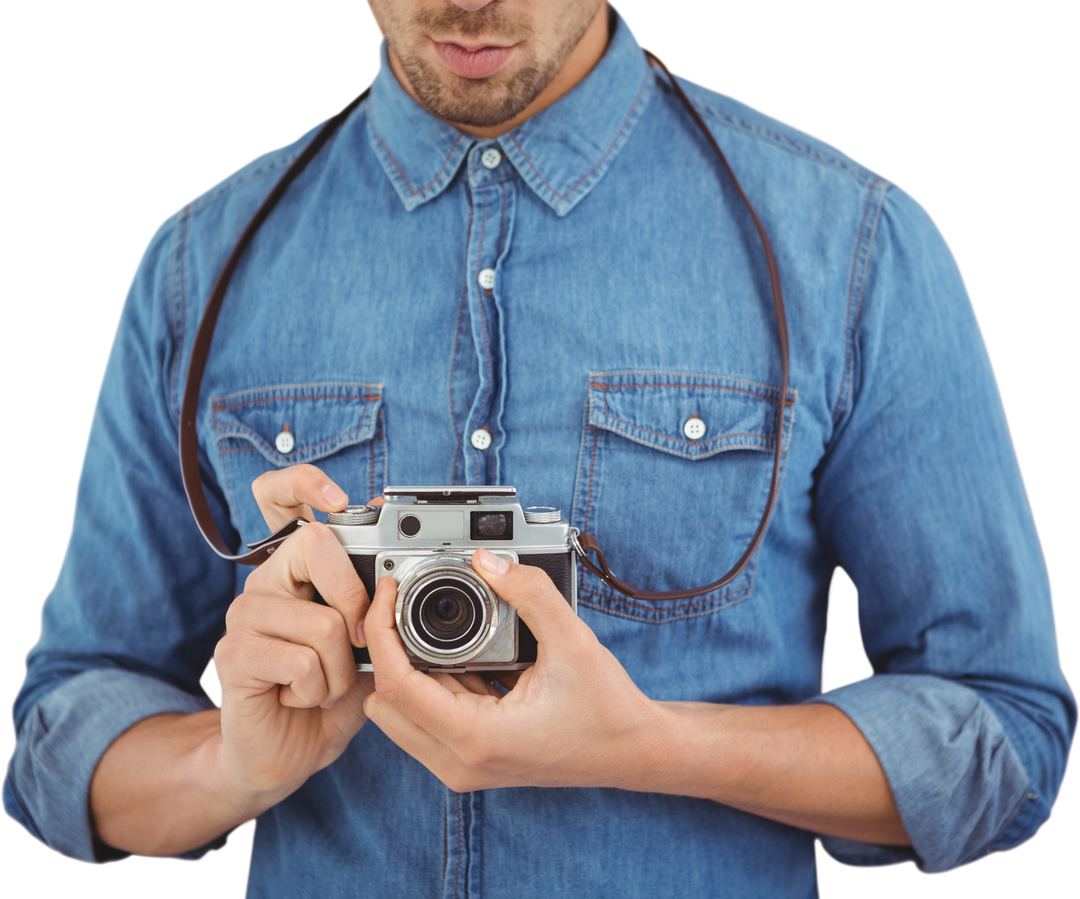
x,y
484,102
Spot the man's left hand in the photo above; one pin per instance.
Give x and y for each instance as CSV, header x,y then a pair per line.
x,y
572,719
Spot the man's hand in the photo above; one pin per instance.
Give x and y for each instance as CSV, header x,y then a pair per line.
x,y
576,719
291,697
570,720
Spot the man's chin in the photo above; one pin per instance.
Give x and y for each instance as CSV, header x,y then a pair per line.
x,y
477,103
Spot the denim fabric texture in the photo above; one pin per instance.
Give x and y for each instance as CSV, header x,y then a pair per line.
x,y
630,295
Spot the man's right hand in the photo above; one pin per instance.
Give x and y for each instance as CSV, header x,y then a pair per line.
x,y
291,697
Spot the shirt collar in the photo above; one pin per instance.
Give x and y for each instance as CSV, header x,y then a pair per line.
x,y
561,152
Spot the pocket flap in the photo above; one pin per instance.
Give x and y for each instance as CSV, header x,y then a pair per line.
x,y
654,408
322,418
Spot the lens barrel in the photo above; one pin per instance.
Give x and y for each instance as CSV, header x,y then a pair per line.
x,y
445,613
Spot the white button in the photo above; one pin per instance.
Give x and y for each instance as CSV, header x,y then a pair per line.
x,y
486,278
694,428
490,158
480,438
284,441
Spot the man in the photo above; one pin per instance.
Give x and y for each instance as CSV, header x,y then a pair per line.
x,y
586,275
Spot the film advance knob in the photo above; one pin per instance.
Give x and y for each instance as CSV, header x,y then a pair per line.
x,y
542,515
355,515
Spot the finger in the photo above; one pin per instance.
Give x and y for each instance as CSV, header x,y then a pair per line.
x,y
467,683
251,665
408,735
419,697
319,627
312,556
378,501
508,679
288,493
537,600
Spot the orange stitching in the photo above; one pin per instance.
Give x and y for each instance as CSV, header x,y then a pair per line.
x,y
688,442
402,172
306,450
644,620
669,619
642,604
683,374
238,449
584,177
281,388
635,427
273,399
771,399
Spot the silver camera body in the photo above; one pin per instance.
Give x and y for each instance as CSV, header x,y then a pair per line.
x,y
424,538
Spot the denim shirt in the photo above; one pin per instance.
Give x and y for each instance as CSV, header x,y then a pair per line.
x,y
629,294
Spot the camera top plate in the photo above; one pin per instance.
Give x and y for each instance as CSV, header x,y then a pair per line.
x,y
458,495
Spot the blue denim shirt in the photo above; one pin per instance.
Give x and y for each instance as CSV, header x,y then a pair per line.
x,y
629,295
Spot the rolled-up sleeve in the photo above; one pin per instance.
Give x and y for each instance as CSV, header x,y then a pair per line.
x,y
61,741
139,605
920,500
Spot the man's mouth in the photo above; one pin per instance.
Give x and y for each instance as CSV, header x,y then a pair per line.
x,y
475,62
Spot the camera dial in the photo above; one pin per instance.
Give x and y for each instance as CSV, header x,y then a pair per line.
x,y
355,515
542,515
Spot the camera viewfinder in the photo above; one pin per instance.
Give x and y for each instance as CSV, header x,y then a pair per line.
x,y
491,525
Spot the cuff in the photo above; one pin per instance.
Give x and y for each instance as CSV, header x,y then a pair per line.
x,y
60,743
959,784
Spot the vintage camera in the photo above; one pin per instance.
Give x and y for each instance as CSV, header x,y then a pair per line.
x,y
424,538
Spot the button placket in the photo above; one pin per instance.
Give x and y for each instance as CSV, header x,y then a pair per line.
x,y
492,213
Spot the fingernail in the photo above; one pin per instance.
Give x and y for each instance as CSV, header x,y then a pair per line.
x,y
493,563
332,703
360,638
334,495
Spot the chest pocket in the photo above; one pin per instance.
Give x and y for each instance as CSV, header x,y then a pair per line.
x,y
335,426
673,476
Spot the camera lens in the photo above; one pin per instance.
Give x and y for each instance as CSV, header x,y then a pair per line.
x,y
447,614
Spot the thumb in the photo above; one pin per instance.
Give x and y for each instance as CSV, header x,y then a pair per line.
x,y
537,600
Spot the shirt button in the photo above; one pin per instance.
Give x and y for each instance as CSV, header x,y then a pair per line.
x,y
694,428
480,438
490,158
486,278
284,441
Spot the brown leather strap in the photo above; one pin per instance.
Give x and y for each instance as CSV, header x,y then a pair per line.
x,y
189,445
189,438
587,541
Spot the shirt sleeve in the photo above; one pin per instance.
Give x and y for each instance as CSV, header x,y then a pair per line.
x,y
140,601
920,500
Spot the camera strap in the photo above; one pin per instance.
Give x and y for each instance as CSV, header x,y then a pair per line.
x,y
583,544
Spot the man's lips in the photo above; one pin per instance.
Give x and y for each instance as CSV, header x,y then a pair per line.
x,y
476,63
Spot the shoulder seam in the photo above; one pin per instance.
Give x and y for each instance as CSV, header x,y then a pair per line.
x,y
875,202
730,120
235,179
